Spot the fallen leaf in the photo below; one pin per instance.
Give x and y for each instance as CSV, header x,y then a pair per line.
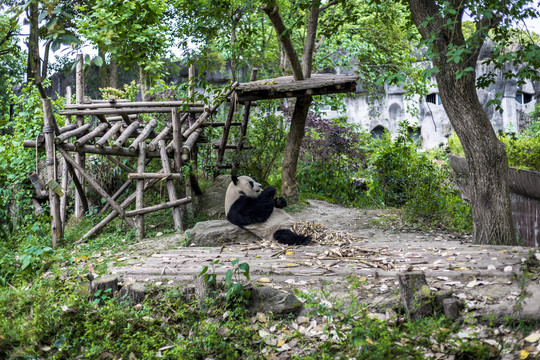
x,y
264,280
280,343
261,317
534,337
523,354
369,341
472,283
289,252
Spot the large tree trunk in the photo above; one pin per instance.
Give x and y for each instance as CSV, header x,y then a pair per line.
x,y
103,76
113,74
33,69
292,150
486,158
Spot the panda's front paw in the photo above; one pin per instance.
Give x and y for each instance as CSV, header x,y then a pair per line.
x,y
280,202
269,191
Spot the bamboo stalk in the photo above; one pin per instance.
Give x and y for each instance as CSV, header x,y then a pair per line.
x,y
207,112
135,104
177,214
125,135
97,187
113,130
92,134
167,205
54,200
139,202
144,134
69,134
127,111
153,144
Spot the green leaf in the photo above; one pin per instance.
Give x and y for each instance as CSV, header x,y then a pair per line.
x,y
203,270
228,277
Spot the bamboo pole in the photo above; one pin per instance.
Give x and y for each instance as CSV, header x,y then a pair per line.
x,y
110,133
135,104
208,111
139,203
177,139
127,111
54,200
153,144
144,134
97,187
124,136
154,208
80,158
69,134
63,199
176,212
92,134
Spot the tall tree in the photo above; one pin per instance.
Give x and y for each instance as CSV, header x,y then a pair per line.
x,y
454,59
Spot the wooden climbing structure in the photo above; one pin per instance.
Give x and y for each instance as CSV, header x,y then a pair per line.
x,y
119,132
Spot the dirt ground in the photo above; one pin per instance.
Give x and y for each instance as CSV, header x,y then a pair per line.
x,y
358,253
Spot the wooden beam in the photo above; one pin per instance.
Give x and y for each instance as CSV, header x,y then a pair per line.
x,y
105,150
163,206
92,134
160,176
190,143
69,134
80,158
125,135
135,104
139,202
245,120
97,187
127,111
110,133
177,139
153,144
176,212
144,134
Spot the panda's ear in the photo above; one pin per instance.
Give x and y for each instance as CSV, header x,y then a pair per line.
x,y
234,179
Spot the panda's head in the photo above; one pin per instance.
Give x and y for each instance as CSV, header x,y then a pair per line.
x,y
241,185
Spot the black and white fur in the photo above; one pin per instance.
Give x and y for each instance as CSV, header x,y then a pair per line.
x,y
246,205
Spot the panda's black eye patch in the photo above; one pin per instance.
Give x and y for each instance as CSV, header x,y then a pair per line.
x,y
251,184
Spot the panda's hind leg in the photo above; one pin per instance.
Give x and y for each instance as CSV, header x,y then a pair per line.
x,y
287,237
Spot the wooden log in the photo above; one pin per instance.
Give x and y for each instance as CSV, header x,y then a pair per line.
x,y
69,134
451,308
112,119
415,295
135,104
160,176
80,158
126,119
139,202
110,133
97,187
176,212
92,134
54,201
153,144
154,208
177,139
124,136
68,127
91,149
127,111
190,142
143,135
209,111
128,201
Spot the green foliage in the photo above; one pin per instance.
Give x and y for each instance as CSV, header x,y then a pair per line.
x,y
236,294
130,92
403,176
268,137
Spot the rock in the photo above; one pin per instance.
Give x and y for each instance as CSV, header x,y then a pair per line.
x,y
134,293
212,202
217,232
280,303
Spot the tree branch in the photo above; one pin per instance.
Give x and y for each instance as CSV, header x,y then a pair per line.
x,y
283,34
309,46
331,3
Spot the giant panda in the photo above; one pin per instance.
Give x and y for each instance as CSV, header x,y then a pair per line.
x,y
250,207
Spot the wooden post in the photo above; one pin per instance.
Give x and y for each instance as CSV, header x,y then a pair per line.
x,y
54,201
176,212
245,119
79,119
177,139
415,295
225,135
125,135
144,134
63,199
113,130
139,203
